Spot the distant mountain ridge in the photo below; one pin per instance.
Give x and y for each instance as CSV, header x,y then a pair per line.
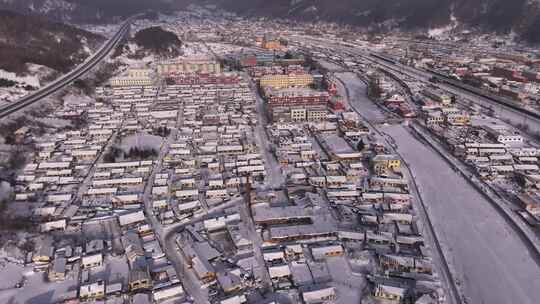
x,y
87,11
521,16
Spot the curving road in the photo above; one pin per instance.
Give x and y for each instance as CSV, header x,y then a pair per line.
x,y
67,79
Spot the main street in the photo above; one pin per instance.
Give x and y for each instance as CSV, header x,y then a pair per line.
x,y
274,177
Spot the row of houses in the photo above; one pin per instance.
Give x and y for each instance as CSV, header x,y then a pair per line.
x,y
74,186
334,167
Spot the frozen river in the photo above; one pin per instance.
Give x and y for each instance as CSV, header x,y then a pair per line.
x,y
492,263
489,260
358,95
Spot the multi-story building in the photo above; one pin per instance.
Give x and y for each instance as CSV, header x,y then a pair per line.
x,y
512,93
265,59
192,78
434,118
383,163
317,113
92,291
299,113
248,61
205,66
134,77
284,81
294,69
139,73
260,71
270,42
503,135
458,119
507,73
295,96
437,96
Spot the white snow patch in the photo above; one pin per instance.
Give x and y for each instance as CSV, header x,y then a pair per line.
x,y
141,141
73,100
36,289
5,190
441,31
29,80
11,274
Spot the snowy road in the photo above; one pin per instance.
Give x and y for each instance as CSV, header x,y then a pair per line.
x,y
489,259
274,178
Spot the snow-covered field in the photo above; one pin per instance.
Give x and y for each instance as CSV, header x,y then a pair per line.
x,y
35,290
27,80
349,285
8,94
36,76
11,275
74,100
491,262
141,141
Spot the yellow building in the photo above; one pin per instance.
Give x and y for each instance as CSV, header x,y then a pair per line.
x,y
270,42
271,45
134,77
460,119
139,73
189,66
383,163
130,82
390,293
298,114
284,81
327,251
139,279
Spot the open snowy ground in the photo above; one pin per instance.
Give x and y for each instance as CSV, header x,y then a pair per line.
x,y
11,275
349,285
35,290
141,141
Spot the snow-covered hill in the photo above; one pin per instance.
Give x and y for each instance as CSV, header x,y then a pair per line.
x,y
521,16
87,11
